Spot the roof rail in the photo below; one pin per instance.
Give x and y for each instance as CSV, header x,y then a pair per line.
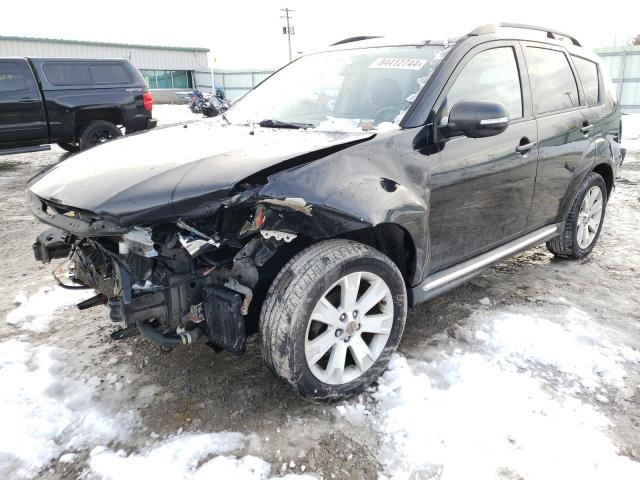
x,y
354,39
493,27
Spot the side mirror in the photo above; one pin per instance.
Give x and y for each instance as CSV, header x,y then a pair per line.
x,y
477,119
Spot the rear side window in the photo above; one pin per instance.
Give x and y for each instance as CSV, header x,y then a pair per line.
x,y
70,74
588,73
11,77
62,74
492,76
109,73
553,84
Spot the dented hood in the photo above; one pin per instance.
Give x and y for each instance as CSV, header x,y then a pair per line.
x,y
177,171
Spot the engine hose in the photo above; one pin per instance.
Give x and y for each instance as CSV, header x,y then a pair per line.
x,y
169,341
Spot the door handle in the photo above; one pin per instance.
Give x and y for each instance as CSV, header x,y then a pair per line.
x,y
525,148
28,100
586,128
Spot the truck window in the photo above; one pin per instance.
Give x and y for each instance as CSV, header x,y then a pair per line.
x,y
588,73
109,73
66,74
491,76
11,77
552,82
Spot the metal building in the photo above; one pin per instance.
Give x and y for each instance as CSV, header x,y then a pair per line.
x,y
167,70
236,83
624,67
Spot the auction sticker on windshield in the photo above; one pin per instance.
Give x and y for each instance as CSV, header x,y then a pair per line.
x,y
400,63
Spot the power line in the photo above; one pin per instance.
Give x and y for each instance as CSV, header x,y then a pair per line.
x,y
289,28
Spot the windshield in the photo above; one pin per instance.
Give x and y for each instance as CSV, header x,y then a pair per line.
x,y
346,90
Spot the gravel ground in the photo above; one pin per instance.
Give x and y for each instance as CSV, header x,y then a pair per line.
x,y
197,390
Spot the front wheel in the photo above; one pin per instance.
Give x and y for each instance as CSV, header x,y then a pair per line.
x,y
332,319
584,222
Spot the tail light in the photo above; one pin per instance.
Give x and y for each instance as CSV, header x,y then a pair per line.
x,y
147,100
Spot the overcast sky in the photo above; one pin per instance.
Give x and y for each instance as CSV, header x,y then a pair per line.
x,y
248,33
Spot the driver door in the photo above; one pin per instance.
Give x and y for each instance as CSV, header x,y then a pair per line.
x,y
482,188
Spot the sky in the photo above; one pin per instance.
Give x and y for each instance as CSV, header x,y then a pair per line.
x,y
248,33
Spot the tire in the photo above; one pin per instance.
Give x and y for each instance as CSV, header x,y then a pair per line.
x,y
568,245
287,329
98,132
69,147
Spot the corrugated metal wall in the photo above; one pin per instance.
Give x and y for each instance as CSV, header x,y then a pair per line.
x,y
623,64
156,58
238,82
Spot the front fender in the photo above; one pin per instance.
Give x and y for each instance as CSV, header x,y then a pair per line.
x,y
334,196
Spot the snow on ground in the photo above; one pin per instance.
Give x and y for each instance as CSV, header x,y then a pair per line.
x,y
47,412
505,401
172,114
34,312
54,413
631,131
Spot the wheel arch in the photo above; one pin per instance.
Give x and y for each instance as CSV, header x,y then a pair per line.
x,y
606,172
599,165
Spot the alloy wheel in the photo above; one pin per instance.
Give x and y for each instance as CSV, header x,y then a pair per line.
x,y
589,217
349,328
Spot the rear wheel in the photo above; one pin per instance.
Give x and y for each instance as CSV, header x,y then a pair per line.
x,y
69,147
584,221
332,318
98,132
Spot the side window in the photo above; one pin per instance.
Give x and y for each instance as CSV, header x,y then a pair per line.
x,y
109,73
588,73
493,76
11,77
552,82
62,74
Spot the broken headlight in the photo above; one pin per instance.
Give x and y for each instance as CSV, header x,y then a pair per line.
x,y
137,240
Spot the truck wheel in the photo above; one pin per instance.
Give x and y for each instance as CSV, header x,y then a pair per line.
x,y
584,222
98,132
332,318
70,147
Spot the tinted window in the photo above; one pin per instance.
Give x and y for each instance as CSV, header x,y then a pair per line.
x,y
588,73
11,77
491,75
67,73
552,81
109,73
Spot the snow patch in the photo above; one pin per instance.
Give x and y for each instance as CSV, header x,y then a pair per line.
x,y
35,312
186,457
45,412
495,403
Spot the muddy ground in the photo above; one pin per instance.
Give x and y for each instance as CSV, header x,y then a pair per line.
x,y
195,389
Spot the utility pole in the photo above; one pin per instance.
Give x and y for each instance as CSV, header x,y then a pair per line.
x,y
288,30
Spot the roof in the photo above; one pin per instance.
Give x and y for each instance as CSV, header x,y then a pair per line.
x,y
102,44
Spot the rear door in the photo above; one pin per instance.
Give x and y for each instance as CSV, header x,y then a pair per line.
x,y
481,188
565,130
22,117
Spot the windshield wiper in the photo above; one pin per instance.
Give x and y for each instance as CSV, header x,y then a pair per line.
x,y
269,123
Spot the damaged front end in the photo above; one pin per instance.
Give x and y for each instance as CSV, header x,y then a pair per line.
x,y
172,281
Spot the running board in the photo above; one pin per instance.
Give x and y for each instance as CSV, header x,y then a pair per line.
x,y
12,151
441,281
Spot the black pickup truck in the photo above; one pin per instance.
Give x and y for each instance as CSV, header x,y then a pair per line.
x,y
76,103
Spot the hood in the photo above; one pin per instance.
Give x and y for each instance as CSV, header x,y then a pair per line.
x,y
171,172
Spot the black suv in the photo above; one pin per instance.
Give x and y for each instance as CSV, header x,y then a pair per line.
x,y
350,185
76,103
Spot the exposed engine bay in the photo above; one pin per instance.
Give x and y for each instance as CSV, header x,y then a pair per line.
x,y
173,282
